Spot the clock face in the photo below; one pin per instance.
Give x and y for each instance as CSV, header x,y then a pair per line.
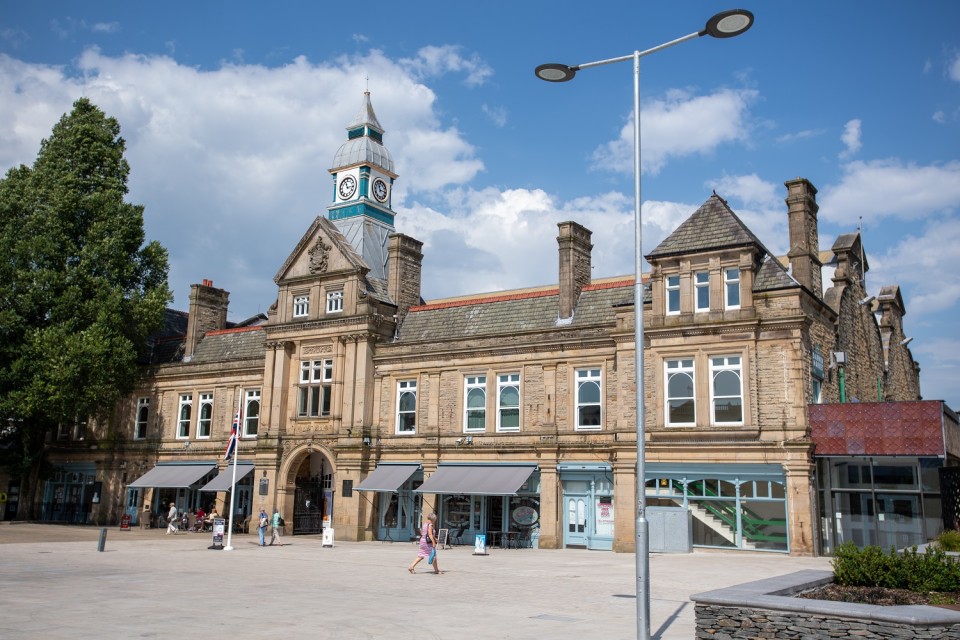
x,y
380,190
347,187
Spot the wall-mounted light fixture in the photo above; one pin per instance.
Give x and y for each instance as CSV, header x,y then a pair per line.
x,y
868,299
905,342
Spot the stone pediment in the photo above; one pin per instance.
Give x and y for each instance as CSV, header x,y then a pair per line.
x,y
322,249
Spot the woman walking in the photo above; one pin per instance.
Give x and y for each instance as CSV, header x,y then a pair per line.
x,y
275,525
428,544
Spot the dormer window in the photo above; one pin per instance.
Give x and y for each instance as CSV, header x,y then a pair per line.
x,y
673,295
702,285
335,302
731,285
301,306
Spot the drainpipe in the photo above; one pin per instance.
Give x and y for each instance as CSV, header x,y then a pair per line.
x,y
879,390
843,391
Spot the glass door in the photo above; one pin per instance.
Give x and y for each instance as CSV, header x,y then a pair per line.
x,y
575,533
132,506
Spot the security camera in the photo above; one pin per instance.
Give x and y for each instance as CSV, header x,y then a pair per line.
x,y
459,441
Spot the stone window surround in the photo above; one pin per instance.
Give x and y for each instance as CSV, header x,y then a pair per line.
x,y
681,280
301,304
506,381
715,369
703,387
593,375
185,406
335,300
141,418
315,388
406,388
701,283
474,383
205,415
251,396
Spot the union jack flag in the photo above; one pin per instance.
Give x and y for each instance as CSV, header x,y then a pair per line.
x,y
232,442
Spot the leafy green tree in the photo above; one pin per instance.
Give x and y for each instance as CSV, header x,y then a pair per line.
x,y
80,291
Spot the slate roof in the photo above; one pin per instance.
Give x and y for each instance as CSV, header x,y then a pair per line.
x,y
378,289
166,345
772,276
711,227
240,343
512,312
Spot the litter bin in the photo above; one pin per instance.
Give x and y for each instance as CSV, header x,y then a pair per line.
x,y
125,522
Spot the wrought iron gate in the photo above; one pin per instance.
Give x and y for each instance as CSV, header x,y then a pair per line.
x,y
308,507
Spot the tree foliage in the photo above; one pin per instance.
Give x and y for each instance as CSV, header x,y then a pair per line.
x,y
80,290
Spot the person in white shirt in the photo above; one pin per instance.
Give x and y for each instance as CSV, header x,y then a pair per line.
x,y
172,519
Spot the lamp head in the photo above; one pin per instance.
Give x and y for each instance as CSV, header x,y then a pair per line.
x,y
728,24
555,72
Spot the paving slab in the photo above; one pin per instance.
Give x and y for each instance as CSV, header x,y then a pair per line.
x,y
54,584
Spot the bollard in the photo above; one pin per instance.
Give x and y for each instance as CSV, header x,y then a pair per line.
x,y
103,539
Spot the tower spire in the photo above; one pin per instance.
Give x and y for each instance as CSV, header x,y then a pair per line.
x,y
363,187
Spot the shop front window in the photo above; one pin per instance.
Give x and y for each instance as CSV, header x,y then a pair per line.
x,y
456,511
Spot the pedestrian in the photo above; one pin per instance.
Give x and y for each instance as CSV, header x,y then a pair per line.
x,y
428,544
172,519
262,526
276,524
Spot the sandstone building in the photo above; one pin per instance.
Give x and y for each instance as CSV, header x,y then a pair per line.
x,y
511,413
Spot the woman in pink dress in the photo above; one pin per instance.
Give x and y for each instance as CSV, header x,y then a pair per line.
x,y
428,543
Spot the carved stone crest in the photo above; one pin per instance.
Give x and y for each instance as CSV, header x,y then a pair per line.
x,y
319,256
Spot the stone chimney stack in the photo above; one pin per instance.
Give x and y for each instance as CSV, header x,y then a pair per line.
x,y
575,248
804,254
208,312
404,265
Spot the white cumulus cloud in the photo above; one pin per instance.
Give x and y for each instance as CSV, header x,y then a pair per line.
x,y
891,189
667,127
851,139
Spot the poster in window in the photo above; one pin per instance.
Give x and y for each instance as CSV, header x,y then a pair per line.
x,y
604,516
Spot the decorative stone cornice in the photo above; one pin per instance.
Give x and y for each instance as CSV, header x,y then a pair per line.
x,y
506,347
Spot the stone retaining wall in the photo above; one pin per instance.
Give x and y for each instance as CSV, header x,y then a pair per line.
x,y
766,609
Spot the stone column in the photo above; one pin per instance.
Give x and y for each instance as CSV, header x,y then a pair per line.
x,y
550,516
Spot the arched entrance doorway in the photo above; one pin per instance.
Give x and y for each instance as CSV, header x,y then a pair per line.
x,y
313,495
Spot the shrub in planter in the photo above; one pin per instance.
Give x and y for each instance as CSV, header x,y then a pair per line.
x,y
870,567
949,540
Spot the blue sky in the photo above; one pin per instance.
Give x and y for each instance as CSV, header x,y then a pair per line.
x,y
233,111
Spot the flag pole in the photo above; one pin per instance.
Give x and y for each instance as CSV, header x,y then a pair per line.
x,y
235,436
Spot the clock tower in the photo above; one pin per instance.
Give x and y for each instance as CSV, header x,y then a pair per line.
x,y
362,189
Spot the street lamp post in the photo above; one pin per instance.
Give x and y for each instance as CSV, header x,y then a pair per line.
x,y
725,24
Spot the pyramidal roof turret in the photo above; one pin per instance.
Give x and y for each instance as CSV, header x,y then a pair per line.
x,y
364,143
366,115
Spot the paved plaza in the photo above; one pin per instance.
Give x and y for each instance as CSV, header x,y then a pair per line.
x,y
54,583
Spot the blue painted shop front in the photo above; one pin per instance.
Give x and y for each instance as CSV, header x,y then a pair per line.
x,y
587,505
733,506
